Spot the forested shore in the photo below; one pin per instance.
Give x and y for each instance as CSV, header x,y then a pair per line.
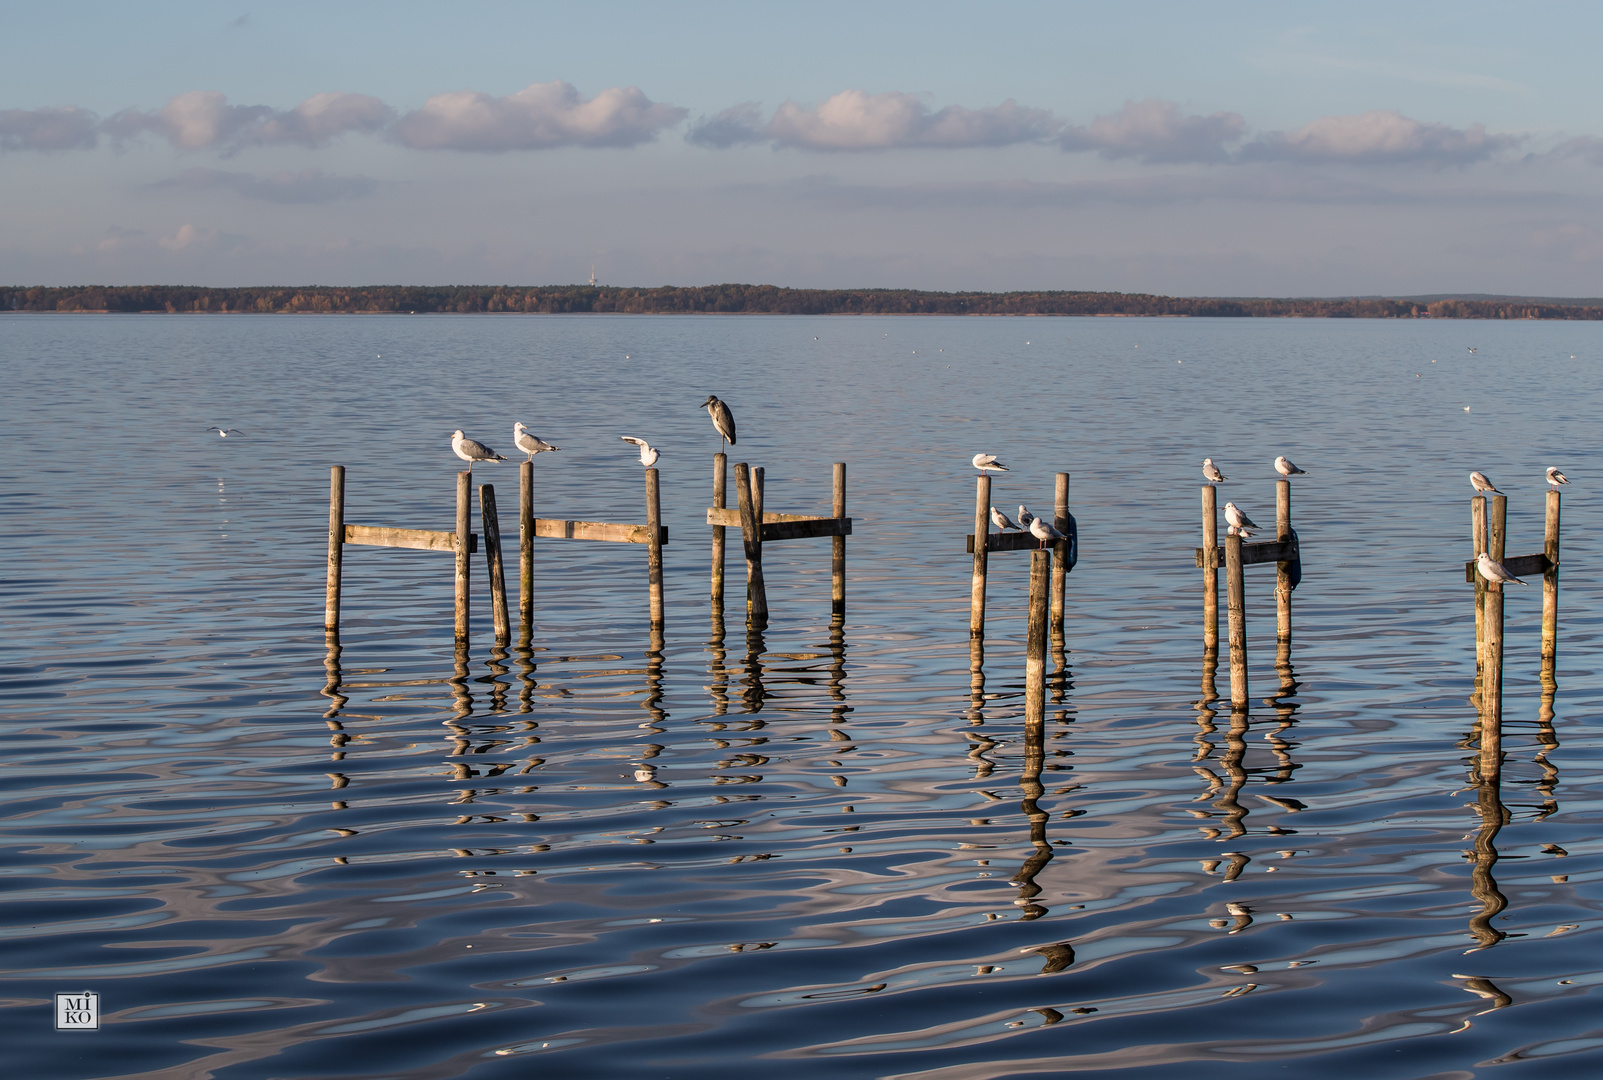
x,y
749,300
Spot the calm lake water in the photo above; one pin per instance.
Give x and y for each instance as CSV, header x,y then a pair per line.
x,y
814,851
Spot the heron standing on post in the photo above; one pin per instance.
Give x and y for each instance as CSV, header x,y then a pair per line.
x,y
722,418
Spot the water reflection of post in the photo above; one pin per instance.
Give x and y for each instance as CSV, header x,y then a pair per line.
x,y
1030,785
460,697
497,665
754,693
654,677
837,672
976,680
331,664
1494,815
1547,735
720,670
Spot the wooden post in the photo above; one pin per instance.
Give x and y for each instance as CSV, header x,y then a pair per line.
x,y
654,547
1060,550
982,533
336,546
720,463
758,475
492,562
526,549
1477,529
1210,568
1492,669
1035,639
1283,569
751,533
1236,590
837,559
1550,587
464,529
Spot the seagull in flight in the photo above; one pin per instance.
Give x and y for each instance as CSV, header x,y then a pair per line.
x,y
1234,515
525,440
648,453
1480,482
1284,467
1211,473
1000,520
225,432
1492,570
471,450
1471,348
1556,478
988,463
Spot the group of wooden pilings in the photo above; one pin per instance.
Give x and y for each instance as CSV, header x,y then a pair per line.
x,y
1236,555
1049,568
1489,534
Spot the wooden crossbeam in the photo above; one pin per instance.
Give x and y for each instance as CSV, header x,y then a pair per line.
x,y
557,529
786,526
1019,541
416,539
1519,566
1265,551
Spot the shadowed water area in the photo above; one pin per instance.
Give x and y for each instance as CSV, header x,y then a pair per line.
x,y
825,848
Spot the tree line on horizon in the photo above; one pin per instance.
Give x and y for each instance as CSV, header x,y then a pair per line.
x,y
740,300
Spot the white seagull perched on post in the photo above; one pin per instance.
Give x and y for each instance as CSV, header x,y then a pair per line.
x,y
1556,478
1234,515
1492,570
524,440
1000,520
1480,482
1044,532
1211,473
471,450
648,453
722,418
1284,467
224,432
1025,517
988,463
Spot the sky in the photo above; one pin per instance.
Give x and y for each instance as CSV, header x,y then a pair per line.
x,y
1243,149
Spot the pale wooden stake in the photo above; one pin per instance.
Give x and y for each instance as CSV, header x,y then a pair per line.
x,y
464,530
654,547
1492,670
982,536
1060,550
837,544
1550,587
492,563
719,501
1282,569
1210,568
1236,590
751,531
526,550
1477,530
336,547
1035,638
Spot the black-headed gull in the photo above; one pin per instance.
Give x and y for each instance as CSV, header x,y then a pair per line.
x,y
1492,570
1000,520
1480,482
1044,532
1211,473
1234,515
648,453
1556,478
1284,467
988,463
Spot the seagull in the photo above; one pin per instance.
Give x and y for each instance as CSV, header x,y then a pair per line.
x,y
1284,467
1234,515
722,418
648,453
1556,478
988,463
1044,532
1471,348
1025,517
1492,570
224,432
1235,530
471,450
529,444
1000,520
1210,471
1479,482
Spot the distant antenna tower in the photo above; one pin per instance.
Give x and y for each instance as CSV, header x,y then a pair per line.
x,y
592,274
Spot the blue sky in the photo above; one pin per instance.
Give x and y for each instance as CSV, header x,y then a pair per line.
x,y
1242,149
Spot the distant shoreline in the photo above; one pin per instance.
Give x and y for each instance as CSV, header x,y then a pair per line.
x,y
757,300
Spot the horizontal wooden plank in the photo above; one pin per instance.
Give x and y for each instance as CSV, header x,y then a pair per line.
x,y
416,539
804,528
1520,566
1008,541
557,529
731,518
1261,552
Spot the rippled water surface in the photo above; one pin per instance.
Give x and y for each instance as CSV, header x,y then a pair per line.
x,y
817,850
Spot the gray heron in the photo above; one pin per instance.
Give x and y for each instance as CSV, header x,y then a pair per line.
x,y
722,418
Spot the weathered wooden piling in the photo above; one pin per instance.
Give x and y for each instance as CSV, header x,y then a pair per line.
x,y
1492,668
1235,588
1035,638
837,545
1060,549
464,530
1210,568
336,547
493,564
1283,579
1550,587
720,463
982,531
751,532
526,551
654,547
1477,530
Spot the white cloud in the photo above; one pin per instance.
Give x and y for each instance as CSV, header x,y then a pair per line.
x,y
305,186
203,119
856,120
1154,131
60,128
738,124
540,116
1379,137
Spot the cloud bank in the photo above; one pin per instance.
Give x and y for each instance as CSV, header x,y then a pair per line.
x,y
857,120
203,120
63,128
538,117
1379,138
1154,132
